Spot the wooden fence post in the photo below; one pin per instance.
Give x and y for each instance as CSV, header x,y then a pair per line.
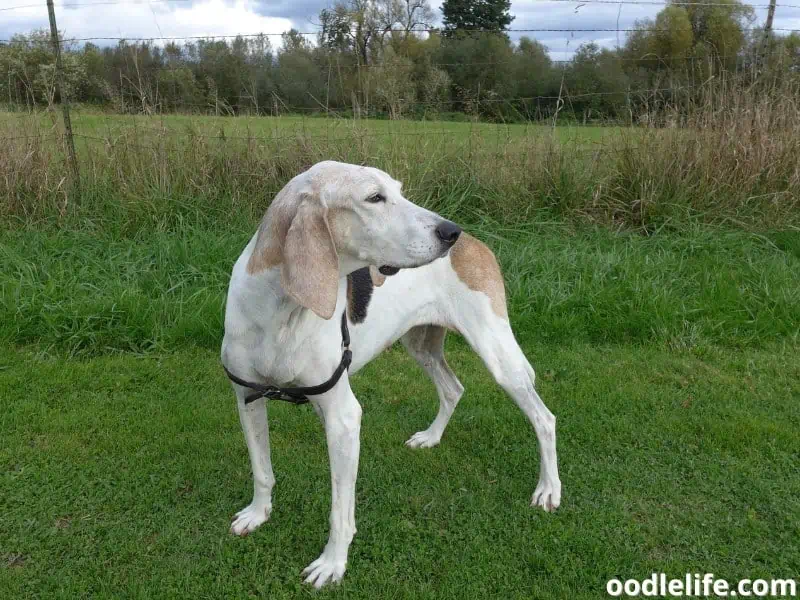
x,y
61,91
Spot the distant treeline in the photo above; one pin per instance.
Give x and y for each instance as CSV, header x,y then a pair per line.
x,y
370,59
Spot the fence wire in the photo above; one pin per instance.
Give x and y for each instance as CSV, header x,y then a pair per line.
x,y
158,104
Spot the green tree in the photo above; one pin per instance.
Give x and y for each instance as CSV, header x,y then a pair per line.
x,y
394,87
595,83
28,68
672,37
481,69
692,37
720,25
534,77
482,15
350,27
299,80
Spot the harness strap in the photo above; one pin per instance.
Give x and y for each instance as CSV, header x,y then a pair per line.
x,y
298,395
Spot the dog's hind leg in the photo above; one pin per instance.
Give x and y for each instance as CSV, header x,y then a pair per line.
x,y
253,418
426,344
491,337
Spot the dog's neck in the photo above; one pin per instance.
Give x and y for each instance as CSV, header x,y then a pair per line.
x,y
263,294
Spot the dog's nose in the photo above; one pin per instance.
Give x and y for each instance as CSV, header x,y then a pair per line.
x,y
448,232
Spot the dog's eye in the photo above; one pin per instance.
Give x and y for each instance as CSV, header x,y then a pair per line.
x,y
375,198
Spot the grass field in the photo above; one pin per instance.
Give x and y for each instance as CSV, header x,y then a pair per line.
x,y
120,475
671,362
741,169
94,123
654,288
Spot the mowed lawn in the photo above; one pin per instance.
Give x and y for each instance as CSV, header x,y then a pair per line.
x,y
120,475
671,363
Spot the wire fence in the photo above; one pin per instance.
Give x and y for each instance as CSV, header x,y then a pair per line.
x,y
148,99
375,31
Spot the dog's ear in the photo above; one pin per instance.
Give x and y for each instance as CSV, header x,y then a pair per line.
x,y
378,279
310,269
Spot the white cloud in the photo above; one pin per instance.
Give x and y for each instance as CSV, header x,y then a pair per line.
x,y
229,17
144,19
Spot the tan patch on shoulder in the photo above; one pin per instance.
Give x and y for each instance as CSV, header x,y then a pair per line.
x,y
477,267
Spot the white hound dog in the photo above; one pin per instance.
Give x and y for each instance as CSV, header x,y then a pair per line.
x,y
320,250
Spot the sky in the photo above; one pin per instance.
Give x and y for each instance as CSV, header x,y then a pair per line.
x,y
132,18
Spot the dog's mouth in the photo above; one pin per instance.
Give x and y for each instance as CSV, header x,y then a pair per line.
x,y
388,270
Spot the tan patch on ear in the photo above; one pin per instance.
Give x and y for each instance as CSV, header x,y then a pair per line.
x,y
310,271
377,278
477,267
268,251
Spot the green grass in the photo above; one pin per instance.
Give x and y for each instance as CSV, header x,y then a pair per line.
x,y
120,473
93,123
91,292
670,361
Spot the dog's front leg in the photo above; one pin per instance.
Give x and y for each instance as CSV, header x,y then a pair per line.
x,y
253,418
341,415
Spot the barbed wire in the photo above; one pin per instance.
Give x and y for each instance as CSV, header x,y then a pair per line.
x,y
232,107
73,40
294,136
594,148
641,92
29,137
160,102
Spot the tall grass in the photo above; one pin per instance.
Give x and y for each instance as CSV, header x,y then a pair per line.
x,y
728,155
81,292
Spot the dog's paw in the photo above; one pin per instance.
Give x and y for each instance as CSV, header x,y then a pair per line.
x,y
424,439
547,495
249,518
324,570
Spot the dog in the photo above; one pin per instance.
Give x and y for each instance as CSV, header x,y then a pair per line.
x,y
341,237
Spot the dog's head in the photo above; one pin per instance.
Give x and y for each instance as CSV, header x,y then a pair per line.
x,y
336,218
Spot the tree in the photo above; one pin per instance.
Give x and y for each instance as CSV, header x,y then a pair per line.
x,y
481,15
691,36
533,69
720,24
350,27
435,90
779,56
595,83
402,16
394,88
481,69
259,82
673,38
29,73
299,80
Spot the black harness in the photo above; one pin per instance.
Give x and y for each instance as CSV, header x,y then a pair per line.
x,y
298,395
